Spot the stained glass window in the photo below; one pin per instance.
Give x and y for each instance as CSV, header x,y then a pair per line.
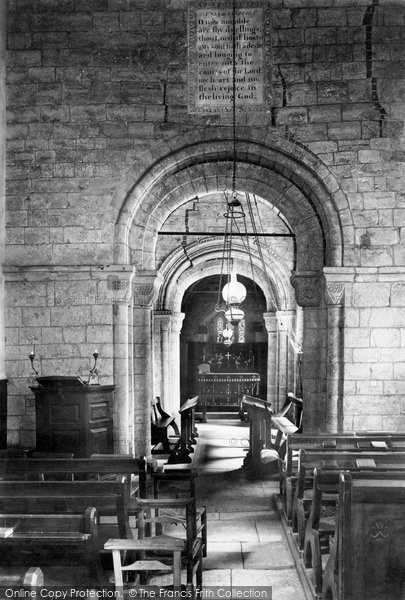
x,y
220,328
241,331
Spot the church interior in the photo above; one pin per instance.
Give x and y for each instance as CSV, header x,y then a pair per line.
x,y
202,233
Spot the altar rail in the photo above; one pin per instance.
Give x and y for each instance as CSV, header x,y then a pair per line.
x,y
226,389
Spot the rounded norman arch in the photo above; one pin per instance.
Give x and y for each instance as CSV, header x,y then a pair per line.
x,y
177,275
294,180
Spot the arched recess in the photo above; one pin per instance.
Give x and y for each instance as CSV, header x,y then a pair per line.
x,y
178,274
279,171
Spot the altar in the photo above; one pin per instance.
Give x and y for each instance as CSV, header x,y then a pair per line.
x,y
225,389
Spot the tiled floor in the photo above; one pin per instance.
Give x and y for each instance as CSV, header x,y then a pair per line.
x,y
246,541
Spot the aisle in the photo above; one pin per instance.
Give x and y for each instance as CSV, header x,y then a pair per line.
x,y
246,541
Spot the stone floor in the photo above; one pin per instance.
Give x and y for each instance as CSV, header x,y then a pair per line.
x,y
247,545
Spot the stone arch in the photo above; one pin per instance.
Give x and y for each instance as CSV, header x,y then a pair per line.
x,y
203,259
177,275
266,164
278,171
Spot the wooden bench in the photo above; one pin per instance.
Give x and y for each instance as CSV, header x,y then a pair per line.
x,y
259,415
108,497
396,439
50,499
367,559
160,423
81,469
28,578
262,423
332,442
342,460
320,529
51,537
188,433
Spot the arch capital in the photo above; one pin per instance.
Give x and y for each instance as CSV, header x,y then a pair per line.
x,y
115,284
270,321
336,280
145,288
177,321
308,287
164,318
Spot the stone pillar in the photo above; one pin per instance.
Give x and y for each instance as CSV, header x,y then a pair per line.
x,y
334,300
144,292
308,287
175,329
162,357
3,11
284,325
119,286
271,327
299,330
122,441
131,381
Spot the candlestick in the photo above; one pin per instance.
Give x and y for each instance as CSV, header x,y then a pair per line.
x,y
93,374
31,356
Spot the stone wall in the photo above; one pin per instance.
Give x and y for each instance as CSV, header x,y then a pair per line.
x,y
97,89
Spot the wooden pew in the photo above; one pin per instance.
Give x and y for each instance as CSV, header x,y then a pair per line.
x,y
160,423
108,497
320,529
262,423
342,460
288,420
188,433
27,578
80,468
51,536
333,442
33,503
368,558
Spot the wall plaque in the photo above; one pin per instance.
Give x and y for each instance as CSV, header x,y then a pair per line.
x,y
210,66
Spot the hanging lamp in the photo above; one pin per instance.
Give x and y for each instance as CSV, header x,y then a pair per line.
x,y
233,292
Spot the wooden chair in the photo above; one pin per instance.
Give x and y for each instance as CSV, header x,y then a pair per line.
x,y
121,548
152,550
182,477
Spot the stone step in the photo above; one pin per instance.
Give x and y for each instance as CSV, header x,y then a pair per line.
x,y
219,415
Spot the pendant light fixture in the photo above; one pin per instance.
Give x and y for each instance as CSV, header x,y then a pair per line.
x,y
233,292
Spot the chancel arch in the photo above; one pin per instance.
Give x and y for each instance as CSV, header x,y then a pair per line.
x,y
290,176
283,178
182,270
